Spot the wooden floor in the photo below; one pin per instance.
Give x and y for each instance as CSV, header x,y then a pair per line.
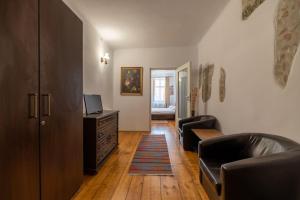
x,y
113,181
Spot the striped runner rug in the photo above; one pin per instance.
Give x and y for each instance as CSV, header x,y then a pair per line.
x,y
151,157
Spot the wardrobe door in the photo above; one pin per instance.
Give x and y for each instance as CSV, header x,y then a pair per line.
x,y
19,134
61,101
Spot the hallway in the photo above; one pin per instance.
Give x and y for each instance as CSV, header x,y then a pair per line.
x,y
113,181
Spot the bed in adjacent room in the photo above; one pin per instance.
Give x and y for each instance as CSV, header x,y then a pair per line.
x,y
163,113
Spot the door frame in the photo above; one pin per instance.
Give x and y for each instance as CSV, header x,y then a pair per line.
x,y
183,67
150,75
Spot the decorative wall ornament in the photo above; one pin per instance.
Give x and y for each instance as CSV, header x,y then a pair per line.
x,y
208,72
287,39
131,81
222,84
200,76
194,95
249,6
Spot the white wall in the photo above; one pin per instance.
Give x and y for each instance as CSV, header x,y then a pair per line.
x,y
135,111
246,50
97,77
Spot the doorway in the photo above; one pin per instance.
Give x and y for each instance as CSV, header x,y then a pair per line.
x,y
163,95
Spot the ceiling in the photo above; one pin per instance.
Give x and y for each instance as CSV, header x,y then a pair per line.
x,y
150,23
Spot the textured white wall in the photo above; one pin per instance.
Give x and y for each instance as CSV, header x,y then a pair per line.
x,y
135,111
246,50
97,77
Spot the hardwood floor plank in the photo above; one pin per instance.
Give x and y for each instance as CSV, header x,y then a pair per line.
x,y
89,189
111,181
123,187
189,190
151,188
188,173
98,186
125,181
170,188
135,189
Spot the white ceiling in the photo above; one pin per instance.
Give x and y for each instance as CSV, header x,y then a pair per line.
x,y
150,23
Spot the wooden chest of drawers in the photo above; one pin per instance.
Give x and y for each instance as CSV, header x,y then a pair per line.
x,y
100,138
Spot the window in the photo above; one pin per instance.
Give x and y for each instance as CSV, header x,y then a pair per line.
x,y
159,90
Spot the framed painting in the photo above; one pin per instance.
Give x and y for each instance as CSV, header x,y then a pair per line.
x,y
131,81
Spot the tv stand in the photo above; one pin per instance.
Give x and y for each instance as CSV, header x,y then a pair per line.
x,y
100,138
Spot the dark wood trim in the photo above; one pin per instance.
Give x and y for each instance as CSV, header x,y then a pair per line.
x,y
163,116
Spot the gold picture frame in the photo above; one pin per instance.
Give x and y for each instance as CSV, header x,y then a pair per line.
x,y
131,83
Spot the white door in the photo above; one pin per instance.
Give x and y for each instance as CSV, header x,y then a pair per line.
x,y
183,91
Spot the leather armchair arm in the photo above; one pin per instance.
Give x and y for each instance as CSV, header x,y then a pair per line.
x,y
187,120
273,177
203,124
227,147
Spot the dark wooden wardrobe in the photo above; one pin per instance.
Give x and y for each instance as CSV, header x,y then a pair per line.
x,y
41,147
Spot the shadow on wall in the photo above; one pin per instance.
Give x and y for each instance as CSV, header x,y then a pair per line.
x,y
218,125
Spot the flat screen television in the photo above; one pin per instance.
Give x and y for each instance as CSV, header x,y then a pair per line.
x,y
93,104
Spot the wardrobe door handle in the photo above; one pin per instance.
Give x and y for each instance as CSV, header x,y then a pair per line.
x,y
33,106
46,105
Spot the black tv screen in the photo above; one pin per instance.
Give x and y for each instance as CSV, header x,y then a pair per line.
x,y
93,104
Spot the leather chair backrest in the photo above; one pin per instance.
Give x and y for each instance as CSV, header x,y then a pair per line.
x,y
207,117
264,145
209,121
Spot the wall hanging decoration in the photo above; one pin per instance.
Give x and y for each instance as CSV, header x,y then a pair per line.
x,y
249,6
287,38
200,77
222,84
208,72
131,81
194,95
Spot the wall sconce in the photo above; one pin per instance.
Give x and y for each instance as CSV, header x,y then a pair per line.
x,y
105,58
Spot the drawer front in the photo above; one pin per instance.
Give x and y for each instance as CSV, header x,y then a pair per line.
x,y
111,120
106,136
104,146
100,140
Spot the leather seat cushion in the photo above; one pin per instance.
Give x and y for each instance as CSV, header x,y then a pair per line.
x,y
212,169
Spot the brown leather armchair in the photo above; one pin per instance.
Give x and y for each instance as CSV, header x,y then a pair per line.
x,y
187,138
250,167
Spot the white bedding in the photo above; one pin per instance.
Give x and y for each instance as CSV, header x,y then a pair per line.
x,y
161,111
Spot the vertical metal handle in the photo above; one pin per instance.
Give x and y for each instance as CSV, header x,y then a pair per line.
x,y
33,106
46,105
